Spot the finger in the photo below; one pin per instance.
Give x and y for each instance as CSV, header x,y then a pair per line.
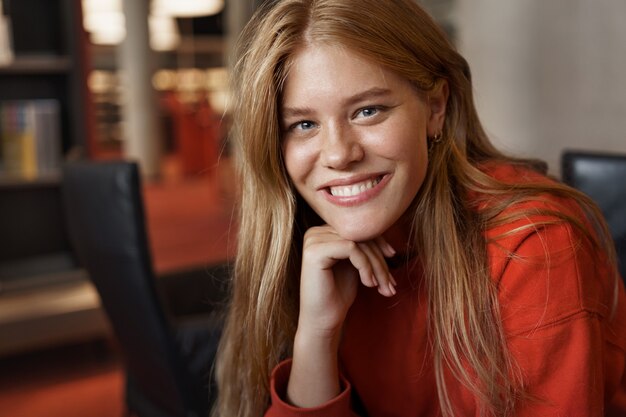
x,y
385,247
376,245
379,267
360,260
327,249
388,251
347,249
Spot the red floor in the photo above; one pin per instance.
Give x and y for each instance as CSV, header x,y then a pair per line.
x,y
190,221
76,381
189,225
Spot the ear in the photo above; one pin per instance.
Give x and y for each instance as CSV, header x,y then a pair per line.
x,y
437,101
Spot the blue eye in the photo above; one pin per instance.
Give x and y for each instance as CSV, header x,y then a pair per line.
x,y
303,125
368,111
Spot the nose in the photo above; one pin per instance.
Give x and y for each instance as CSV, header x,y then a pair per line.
x,y
340,147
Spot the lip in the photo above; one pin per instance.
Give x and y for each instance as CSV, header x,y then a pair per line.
x,y
357,199
351,180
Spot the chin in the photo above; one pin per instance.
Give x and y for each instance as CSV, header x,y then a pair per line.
x,y
358,233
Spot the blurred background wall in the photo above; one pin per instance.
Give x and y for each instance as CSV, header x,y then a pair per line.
x,y
548,75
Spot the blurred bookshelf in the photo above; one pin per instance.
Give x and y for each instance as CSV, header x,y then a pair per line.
x,y
31,140
43,93
37,65
44,118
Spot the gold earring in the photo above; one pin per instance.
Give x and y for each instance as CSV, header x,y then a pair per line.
x,y
434,140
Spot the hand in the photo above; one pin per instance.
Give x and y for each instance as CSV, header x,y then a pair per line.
x,y
331,270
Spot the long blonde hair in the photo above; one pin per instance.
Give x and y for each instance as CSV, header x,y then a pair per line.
x,y
449,232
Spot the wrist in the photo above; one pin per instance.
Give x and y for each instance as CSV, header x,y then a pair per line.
x,y
317,338
314,377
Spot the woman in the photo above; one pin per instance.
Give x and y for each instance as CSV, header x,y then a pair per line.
x,y
391,261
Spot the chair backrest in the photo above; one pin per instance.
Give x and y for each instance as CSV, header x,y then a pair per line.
x,y
602,176
105,217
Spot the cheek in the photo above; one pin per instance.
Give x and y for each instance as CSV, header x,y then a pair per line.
x,y
418,164
408,150
299,161
411,152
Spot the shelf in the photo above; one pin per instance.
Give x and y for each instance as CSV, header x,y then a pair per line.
x,y
38,65
7,182
52,316
44,299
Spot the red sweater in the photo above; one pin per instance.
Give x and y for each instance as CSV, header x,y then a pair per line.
x,y
556,311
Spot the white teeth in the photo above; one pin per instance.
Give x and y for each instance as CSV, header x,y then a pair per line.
x,y
352,190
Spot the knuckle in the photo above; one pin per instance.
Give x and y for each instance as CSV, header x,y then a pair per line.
x,y
351,246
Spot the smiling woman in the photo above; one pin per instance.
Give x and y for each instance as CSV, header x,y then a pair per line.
x,y
391,261
355,139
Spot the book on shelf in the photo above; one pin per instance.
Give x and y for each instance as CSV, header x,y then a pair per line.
x,y
30,138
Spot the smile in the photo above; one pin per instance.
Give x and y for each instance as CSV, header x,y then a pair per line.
x,y
354,189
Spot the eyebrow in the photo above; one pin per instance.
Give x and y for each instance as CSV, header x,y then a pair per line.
x,y
375,92
372,93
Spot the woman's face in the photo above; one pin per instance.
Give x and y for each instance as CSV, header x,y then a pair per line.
x,y
354,139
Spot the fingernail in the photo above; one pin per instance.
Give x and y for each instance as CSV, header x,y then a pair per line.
x,y
392,289
392,279
392,251
374,280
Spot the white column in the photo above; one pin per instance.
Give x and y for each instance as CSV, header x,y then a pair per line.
x,y
142,139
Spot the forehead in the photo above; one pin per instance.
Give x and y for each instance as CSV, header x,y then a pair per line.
x,y
322,69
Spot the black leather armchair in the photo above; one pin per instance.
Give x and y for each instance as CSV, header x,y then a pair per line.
x,y
602,176
168,360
